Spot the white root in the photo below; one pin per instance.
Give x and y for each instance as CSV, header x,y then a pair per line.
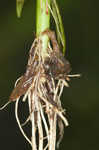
x,y
27,120
74,75
18,121
1,108
40,132
33,138
18,81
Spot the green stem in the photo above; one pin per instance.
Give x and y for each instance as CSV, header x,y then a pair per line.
x,y
42,21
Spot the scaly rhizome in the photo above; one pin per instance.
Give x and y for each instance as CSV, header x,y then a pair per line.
x,y
42,86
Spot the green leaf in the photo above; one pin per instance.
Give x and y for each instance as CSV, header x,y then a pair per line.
x,y
19,6
59,25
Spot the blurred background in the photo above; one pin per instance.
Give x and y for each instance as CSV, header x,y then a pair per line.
x,y
81,100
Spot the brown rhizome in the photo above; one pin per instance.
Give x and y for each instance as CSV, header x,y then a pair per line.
x,y
42,85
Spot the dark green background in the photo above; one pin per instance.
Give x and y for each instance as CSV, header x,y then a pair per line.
x,y
81,100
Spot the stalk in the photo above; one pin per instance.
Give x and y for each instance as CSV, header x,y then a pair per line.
x,y
42,21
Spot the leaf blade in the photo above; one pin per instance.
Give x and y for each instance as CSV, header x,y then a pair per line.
x,y
19,7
